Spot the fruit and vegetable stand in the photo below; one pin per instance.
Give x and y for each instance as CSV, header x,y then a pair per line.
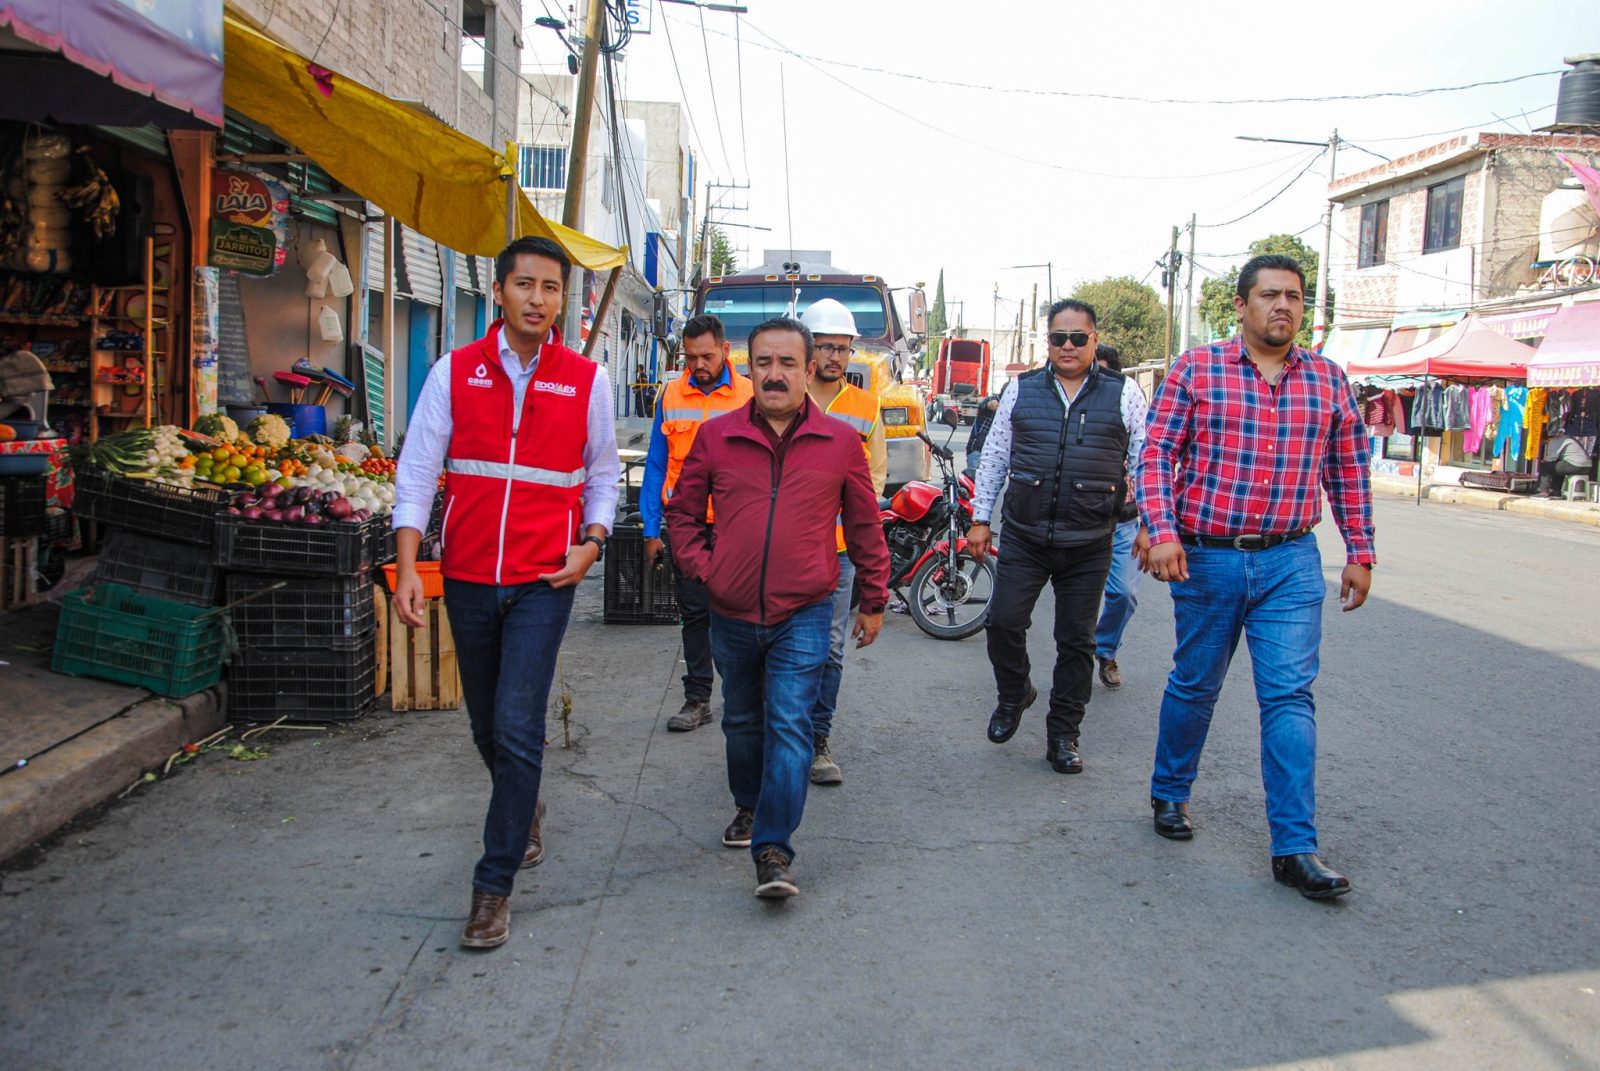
x,y
266,548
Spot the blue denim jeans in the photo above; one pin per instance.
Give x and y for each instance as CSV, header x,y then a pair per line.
x,y
517,629
1274,597
770,677
839,631
1122,592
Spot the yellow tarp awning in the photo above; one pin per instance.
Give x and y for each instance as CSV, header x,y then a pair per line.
x,y
435,180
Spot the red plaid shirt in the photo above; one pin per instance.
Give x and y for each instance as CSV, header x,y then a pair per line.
x,y
1228,455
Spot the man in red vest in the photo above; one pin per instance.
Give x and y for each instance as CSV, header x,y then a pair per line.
x,y
523,429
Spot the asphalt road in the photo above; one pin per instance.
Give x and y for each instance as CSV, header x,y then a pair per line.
x,y
962,905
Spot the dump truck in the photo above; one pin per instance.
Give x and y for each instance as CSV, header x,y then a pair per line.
x,y
960,377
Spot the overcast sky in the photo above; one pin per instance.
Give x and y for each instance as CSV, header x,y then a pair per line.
x,y
901,175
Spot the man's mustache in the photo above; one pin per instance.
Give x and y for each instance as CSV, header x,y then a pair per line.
x,y
775,384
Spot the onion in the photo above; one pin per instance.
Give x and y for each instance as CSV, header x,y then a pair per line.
x,y
315,519
340,509
272,515
361,515
252,513
246,499
294,514
235,511
271,490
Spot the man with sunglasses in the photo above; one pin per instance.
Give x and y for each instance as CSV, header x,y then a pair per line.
x,y
1244,436
1067,435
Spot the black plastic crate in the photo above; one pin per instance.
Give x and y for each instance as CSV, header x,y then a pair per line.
x,y
380,541
313,684
336,612
185,514
277,549
57,526
181,572
637,594
22,512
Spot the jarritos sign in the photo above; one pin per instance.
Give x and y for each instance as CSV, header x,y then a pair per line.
x,y
243,237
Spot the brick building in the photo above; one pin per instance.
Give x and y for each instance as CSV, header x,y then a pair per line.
x,y
1451,226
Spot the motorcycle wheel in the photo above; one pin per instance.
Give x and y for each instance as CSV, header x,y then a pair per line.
x,y
952,606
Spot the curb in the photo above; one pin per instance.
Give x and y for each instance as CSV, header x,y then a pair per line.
x,y
1553,509
88,770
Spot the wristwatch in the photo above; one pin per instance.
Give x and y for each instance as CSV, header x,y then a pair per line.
x,y
600,544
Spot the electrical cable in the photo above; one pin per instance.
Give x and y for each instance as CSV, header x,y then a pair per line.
x,y
1269,200
666,25
744,139
711,81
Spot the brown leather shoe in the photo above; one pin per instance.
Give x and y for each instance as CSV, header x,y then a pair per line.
x,y
535,853
1110,673
490,923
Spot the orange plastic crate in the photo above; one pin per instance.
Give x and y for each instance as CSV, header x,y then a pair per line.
x,y
432,578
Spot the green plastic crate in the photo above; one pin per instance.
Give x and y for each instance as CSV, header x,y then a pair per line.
x,y
113,633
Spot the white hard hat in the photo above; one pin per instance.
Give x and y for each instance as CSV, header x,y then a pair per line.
x,y
829,317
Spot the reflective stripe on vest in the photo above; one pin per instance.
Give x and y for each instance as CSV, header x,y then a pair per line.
x,y
500,470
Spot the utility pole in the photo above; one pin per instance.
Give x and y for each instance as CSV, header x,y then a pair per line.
x,y
1188,290
1032,320
578,155
1319,319
1170,275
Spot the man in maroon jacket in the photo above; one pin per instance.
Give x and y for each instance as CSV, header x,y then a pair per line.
x,y
781,470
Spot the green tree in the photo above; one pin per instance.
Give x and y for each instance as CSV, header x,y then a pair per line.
x,y
724,261
1216,295
1130,315
937,325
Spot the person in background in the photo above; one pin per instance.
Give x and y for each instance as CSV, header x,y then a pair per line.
x,y
833,331
1121,596
1244,436
783,474
1067,435
708,387
980,431
523,429
1563,456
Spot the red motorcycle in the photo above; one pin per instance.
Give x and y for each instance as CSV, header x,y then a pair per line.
x,y
946,589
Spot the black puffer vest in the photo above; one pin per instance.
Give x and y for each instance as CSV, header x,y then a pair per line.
x,y
1067,475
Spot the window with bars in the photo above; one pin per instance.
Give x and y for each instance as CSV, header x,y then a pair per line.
x,y
1374,234
1443,230
542,167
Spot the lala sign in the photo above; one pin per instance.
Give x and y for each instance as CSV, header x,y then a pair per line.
x,y
240,197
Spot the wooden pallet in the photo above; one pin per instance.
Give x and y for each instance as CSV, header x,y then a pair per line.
x,y
423,674
19,571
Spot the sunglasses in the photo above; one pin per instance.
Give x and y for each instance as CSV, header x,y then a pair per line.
x,y
1078,339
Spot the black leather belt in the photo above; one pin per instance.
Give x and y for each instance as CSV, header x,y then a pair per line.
x,y
1255,541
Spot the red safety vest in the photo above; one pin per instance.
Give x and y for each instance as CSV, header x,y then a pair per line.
x,y
514,498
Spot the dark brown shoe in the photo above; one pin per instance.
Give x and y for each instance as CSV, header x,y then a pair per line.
x,y
535,853
490,923
1110,673
693,714
773,880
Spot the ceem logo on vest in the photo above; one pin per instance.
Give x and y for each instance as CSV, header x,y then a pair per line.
x,y
480,377
566,390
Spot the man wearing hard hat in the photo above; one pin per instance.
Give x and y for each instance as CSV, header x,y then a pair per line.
x,y
834,330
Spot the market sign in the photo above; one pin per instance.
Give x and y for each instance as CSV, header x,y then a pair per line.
x,y
1524,325
239,247
240,197
637,12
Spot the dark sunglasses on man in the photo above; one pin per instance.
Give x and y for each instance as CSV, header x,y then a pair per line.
x,y
1079,339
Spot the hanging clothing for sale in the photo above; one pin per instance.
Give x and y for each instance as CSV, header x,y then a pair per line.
x,y
1533,420
1508,439
1428,411
1583,413
1397,412
1378,413
1457,410
1497,402
1478,419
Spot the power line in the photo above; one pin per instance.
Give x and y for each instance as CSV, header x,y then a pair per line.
x,y
1458,129
666,24
1269,200
1130,99
711,81
744,140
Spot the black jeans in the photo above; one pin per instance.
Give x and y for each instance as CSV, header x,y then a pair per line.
x,y
1078,575
694,604
1552,474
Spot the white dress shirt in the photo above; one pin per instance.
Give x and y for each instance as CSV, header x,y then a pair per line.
x,y
996,462
428,440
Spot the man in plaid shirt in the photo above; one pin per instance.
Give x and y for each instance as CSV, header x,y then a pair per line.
x,y
1242,438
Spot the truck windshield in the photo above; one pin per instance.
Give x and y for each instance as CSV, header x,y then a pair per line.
x,y
741,308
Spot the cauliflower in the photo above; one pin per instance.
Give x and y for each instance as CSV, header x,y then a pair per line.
x,y
218,426
270,429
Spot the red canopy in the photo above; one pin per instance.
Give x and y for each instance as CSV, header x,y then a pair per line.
x,y
1469,350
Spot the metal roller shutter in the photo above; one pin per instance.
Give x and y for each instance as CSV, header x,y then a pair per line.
x,y
424,274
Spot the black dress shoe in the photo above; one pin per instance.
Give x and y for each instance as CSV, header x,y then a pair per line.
x,y
1314,879
1007,716
1062,754
1172,819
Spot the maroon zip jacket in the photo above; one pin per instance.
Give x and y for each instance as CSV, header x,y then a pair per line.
x,y
773,550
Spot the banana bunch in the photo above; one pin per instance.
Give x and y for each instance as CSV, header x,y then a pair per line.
x,y
97,197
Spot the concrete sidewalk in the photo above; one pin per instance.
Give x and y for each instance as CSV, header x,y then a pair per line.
x,y
1553,509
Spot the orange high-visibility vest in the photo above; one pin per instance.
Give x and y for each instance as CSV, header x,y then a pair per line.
x,y
859,409
684,407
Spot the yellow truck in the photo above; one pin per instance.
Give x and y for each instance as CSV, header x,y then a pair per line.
x,y
789,281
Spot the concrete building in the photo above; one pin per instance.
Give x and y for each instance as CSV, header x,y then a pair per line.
x,y
638,191
1451,226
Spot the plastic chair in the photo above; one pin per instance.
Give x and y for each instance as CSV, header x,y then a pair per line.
x,y
1577,489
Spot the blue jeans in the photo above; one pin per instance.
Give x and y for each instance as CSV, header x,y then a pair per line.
x,y
770,677
1122,592
518,628
1275,598
833,672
